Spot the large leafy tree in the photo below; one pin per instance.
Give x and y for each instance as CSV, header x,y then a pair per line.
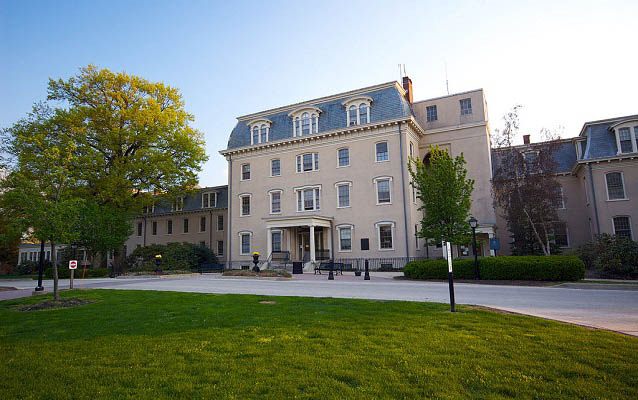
x,y
445,193
525,188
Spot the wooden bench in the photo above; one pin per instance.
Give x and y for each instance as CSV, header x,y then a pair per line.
x,y
210,268
337,268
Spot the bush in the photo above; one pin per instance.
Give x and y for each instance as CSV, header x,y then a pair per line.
x,y
611,256
65,273
175,256
528,268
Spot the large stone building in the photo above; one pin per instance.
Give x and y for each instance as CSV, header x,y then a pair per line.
x,y
328,177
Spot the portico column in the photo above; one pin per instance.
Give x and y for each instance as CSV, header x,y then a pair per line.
x,y
312,243
492,253
269,241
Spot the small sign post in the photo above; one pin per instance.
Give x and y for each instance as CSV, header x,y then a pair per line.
x,y
450,274
73,264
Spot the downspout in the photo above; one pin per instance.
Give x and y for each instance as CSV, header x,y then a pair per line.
x,y
229,247
405,208
210,246
332,242
593,196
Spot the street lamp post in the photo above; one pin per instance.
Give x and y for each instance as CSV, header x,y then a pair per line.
x,y
40,288
158,262
474,225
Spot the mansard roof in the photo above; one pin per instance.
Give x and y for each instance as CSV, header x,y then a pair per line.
x,y
193,201
388,103
565,155
601,138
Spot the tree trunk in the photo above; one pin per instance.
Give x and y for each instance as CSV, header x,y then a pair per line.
x,y
54,259
538,237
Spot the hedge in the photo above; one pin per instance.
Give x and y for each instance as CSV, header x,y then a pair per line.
x,y
64,273
524,268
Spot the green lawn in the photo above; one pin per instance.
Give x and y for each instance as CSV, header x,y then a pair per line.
x,y
144,344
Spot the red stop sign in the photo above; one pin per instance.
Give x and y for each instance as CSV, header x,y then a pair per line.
x,y
73,264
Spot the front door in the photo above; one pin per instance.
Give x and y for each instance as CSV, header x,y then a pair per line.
x,y
304,244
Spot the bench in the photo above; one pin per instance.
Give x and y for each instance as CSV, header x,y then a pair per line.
x,y
337,268
210,268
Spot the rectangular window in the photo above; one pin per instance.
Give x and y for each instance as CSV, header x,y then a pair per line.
x,y
416,237
560,198
276,240
178,204
624,135
343,192
615,186
622,227
202,224
245,172
209,200
431,113
220,222
466,107
154,227
345,239
169,226
275,202
382,151
23,257
383,191
560,234
139,229
308,199
307,162
275,167
385,237
245,243
344,157
220,247
185,225
245,205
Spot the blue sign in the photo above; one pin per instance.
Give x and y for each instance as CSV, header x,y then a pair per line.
x,y
495,244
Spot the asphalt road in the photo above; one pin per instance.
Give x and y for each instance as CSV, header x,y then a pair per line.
x,y
601,308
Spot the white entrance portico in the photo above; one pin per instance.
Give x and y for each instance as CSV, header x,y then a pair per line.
x,y
306,238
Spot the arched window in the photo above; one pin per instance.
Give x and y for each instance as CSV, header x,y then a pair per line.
x,y
305,124
353,115
297,132
363,113
264,133
259,128
255,135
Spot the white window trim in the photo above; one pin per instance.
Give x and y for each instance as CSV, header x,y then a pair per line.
x,y
357,102
241,172
314,200
375,151
271,160
569,242
297,113
315,160
281,198
211,203
376,189
241,208
259,123
634,145
178,204
624,188
562,199
344,183
436,111
631,228
281,233
339,228
189,226
461,107
339,149
377,226
250,234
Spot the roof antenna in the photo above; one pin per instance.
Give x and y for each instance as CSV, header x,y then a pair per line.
x,y
404,74
400,76
447,87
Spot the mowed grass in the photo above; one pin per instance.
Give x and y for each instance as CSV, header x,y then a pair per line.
x,y
145,344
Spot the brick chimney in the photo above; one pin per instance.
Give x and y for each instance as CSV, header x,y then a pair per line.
x,y
407,86
525,139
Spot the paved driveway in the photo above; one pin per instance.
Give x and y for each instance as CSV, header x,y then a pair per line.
x,y
609,309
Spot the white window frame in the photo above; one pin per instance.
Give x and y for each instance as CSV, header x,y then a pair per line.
x,y
376,189
261,124
315,162
295,115
241,204
624,188
200,223
178,204
461,106
314,198
427,114
378,226
357,102
376,158
281,196
250,242
211,203
339,228
271,161
344,183
562,198
631,228
632,140
241,172
281,240
566,234
338,150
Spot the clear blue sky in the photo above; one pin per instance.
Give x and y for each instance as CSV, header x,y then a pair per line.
x,y
566,62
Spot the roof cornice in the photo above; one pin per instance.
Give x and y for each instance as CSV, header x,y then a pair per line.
x,y
602,121
631,156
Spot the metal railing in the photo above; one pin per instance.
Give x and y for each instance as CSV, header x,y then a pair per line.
x,y
376,264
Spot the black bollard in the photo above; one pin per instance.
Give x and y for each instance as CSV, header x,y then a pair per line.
x,y
366,277
331,276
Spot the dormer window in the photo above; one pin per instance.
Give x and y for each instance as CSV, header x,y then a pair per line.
x,y
625,141
357,110
305,120
260,131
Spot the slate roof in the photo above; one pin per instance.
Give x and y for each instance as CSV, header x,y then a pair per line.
x,y
387,104
601,141
565,156
194,201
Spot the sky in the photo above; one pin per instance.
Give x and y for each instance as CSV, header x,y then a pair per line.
x,y
565,62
